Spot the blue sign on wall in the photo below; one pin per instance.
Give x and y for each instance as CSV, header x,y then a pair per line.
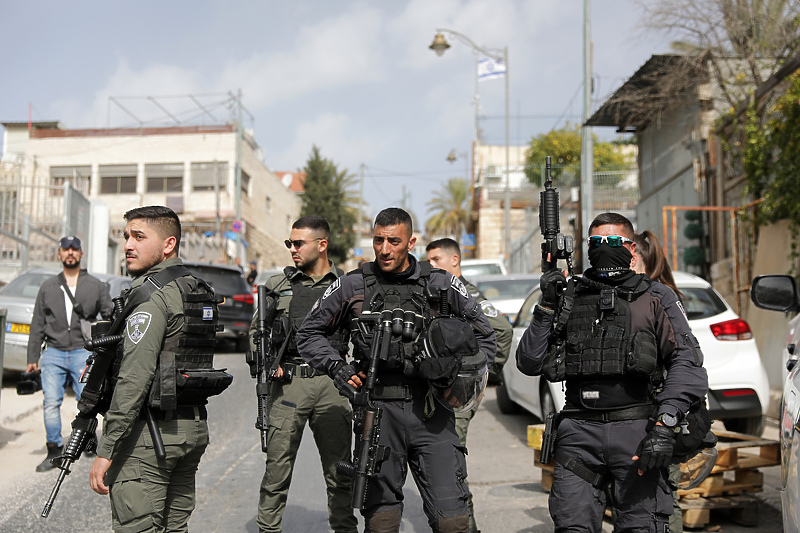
x,y
468,240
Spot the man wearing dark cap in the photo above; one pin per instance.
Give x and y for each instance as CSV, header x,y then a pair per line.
x,y
64,309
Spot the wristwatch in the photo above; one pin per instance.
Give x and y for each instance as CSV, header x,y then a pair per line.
x,y
668,420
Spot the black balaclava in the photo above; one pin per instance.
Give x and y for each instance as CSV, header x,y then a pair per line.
x,y
610,262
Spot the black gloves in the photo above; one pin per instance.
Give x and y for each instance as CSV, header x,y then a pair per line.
x,y
655,450
341,375
551,282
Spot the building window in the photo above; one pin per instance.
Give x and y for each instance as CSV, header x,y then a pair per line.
x,y
205,175
245,182
164,178
268,205
118,179
78,176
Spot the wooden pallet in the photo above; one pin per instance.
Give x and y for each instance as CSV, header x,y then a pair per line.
x,y
733,479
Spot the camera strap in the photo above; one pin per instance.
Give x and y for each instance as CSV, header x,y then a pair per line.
x,y
78,308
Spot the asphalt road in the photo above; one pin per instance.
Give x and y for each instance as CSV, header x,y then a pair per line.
x,y
506,486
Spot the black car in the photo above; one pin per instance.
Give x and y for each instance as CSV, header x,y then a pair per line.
x,y
236,310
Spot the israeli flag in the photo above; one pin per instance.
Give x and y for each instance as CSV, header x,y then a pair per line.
x,y
489,69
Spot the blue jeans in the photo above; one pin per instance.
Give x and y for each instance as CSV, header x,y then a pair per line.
x,y
58,368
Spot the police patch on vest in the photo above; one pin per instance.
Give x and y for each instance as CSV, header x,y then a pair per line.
x,y
459,286
488,309
137,326
208,313
335,285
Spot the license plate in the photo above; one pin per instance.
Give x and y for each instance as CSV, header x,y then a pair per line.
x,y
13,327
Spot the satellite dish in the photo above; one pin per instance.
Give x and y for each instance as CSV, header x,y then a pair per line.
x,y
287,179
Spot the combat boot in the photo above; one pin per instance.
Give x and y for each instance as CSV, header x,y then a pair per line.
x,y
53,451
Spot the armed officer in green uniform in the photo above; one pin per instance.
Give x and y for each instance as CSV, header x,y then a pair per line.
x,y
446,254
301,394
168,344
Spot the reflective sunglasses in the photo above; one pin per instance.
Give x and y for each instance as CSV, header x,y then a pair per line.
x,y
615,241
298,243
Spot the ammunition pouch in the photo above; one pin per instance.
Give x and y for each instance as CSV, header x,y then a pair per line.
x,y
172,387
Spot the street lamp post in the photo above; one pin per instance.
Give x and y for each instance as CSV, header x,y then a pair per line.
x,y
440,45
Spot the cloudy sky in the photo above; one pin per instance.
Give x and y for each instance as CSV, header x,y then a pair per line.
x,y
356,78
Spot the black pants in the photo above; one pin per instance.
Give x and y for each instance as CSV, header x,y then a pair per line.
x,y
437,461
643,503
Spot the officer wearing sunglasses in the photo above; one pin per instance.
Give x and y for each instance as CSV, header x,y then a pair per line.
x,y
632,370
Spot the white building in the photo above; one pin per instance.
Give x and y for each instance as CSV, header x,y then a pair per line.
x,y
191,169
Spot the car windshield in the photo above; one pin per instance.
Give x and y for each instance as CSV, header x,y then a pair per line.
x,y
701,302
482,269
504,289
26,285
223,281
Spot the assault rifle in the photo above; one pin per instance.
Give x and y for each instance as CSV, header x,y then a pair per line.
x,y
369,455
263,362
556,245
95,398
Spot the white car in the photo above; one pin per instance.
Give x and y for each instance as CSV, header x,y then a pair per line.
x,y
738,392
506,292
481,267
779,293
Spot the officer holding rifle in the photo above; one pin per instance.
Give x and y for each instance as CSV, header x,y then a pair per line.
x,y
155,429
297,393
422,346
632,368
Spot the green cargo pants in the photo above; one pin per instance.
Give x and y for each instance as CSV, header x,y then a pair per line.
x,y
148,494
314,400
462,426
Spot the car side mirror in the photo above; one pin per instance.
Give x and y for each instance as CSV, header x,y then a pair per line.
x,y
775,293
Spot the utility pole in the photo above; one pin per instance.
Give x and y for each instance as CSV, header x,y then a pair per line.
x,y
238,186
587,161
360,223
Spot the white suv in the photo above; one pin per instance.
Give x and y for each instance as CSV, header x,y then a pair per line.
x,y
738,388
481,267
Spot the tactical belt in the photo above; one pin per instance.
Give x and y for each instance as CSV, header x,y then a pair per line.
x,y
637,412
182,412
400,392
302,370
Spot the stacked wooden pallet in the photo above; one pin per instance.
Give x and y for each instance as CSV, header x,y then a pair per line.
x,y
733,480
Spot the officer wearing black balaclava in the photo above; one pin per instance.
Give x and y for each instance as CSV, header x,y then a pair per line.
x,y
632,370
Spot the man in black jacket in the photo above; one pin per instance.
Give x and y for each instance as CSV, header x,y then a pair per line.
x,y
61,320
632,370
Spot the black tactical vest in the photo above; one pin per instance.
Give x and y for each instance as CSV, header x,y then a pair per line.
x,y
406,296
185,374
303,299
598,345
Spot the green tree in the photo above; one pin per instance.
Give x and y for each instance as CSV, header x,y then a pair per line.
x,y
564,146
450,210
328,193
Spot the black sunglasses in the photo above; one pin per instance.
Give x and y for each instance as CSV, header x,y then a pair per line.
x,y
298,243
615,241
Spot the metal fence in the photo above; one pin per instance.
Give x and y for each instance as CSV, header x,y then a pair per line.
x,y
34,217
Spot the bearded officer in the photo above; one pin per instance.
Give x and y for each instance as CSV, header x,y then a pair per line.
x,y
419,434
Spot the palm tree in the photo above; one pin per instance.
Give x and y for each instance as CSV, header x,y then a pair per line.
x,y
450,212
